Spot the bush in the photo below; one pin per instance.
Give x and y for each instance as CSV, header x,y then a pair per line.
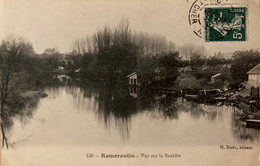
x,y
188,82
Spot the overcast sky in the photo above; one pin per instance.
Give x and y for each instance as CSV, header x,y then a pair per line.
x,y
56,23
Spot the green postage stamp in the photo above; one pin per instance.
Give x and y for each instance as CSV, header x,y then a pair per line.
x,y
219,20
225,24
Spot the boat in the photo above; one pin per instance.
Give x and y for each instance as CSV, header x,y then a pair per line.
x,y
251,101
170,92
190,96
220,98
252,123
211,93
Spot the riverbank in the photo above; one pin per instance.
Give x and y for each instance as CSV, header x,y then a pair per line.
x,y
250,111
249,103
240,98
23,103
30,98
32,95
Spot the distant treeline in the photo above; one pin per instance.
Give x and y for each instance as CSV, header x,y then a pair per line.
x,y
117,52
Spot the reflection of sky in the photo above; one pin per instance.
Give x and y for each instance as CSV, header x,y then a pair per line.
x,y
75,119
76,116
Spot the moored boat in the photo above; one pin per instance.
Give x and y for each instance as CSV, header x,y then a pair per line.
x,y
191,96
221,98
253,123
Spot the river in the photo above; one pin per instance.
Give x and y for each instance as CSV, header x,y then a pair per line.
x,y
78,118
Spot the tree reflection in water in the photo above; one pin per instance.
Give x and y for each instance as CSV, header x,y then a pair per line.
x,y
110,102
114,104
24,115
239,129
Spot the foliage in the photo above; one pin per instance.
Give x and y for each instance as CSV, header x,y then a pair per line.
x,y
243,61
187,51
217,63
149,44
197,61
74,62
169,64
13,52
147,67
188,82
22,69
117,60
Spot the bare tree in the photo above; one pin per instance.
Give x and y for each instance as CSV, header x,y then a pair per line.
x,y
187,50
90,44
77,46
148,44
12,55
124,31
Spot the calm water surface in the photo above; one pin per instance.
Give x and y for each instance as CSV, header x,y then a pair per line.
x,y
81,116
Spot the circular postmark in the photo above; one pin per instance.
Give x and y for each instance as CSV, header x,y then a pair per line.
x,y
196,18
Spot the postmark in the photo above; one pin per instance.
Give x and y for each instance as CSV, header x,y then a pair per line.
x,y
218,20
196,18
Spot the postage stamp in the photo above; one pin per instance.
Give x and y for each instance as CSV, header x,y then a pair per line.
x,y
216,20
225,24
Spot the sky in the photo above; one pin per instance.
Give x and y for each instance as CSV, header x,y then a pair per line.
x,y
57,23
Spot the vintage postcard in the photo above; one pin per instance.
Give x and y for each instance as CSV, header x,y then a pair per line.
x,y
130,83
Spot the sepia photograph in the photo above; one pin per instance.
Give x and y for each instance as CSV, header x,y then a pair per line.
x,y
130,83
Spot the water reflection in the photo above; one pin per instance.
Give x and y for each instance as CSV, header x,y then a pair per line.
x,y
133,91
24,116
240,131
111,104
122,110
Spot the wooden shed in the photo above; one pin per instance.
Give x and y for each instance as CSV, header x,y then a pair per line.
x,y
216,77
132,78
254,76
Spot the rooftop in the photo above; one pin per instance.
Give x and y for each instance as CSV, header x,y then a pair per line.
x,y
216,75
255,70
131,74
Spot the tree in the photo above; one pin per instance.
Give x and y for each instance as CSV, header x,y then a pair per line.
x,y
119,51
197,61
188,50
243,61
188,82
218,63
169,64
147,67
117,54
13,52
74,62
